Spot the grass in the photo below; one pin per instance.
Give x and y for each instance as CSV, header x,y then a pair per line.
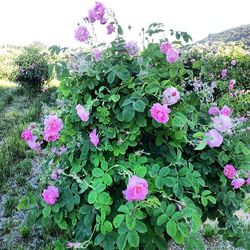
x,y
18,108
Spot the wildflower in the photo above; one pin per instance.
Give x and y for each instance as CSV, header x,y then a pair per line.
x,y
81,34
97,53
213,111
233,62
238,183
132,48
222,123
137,189
224,73
82,113
53,126
165,47
171,96
94,138
160,112
214,138
172,55
229,171
50,195
27,135
225,111
110,28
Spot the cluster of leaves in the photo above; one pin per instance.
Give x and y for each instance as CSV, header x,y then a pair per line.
x,y
186,181
32,68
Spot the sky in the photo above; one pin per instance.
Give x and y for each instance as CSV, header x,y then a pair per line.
x,y
54,21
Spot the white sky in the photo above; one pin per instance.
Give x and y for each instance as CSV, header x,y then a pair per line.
x,y
54,21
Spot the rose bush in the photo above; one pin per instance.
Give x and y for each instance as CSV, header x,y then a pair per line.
x,y
144,159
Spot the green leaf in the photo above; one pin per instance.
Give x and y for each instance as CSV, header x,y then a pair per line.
x,y
115,98
46,211
123,74
63,224
130,221
204,200
107,179
133,238
198,135
123,209
118,220
182,227
107,226
171,228
139,106
140,227
170,209
152,88
212,199
161,219
55,208
111,77
164,171
202,144
169,181
97,172
121,241
140,171
128,113
92,196
70,205
179,120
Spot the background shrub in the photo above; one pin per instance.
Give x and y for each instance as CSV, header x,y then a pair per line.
x,y
33,68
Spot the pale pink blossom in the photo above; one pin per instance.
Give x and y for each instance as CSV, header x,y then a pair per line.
x,y
132,48
226,111
231,85
81,34
73,245
222,123
224,73
233,62
214,138
82,113
248,181
213,111
27,135
229,171
172,55
50,195
137,189
34,144
237,183
165,46
97,54
170,96
110,29
53,126
94,138
160,112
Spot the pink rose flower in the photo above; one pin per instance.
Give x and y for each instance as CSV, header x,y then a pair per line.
x,y
226,111
81,34
137,189
233,62
165,46
53,126
97,53
214,139
172,55
132,48
27,135
82,113
91,16
213,111
248,181
50,195
34,145
110,29
231,85
170,96
238,183
229,171
222,123
53,176
98,11
103,21
160,112
224,73
94,138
